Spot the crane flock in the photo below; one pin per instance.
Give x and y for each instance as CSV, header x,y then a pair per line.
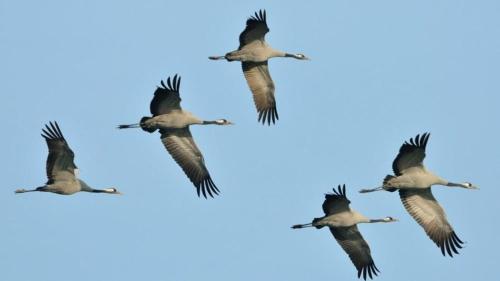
x,y
411,179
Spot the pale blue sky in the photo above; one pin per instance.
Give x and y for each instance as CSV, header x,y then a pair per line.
x,y
381,72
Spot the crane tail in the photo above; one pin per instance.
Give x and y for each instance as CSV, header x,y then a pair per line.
x,y
145,126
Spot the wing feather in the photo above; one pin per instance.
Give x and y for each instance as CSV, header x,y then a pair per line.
x,y
60,161
351,240
336,202
179,143
166,97
424,208
255,29
262,86
411,154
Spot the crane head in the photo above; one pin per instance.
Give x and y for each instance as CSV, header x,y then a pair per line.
x,y
112,191
390,219
469,185
223,122
301,57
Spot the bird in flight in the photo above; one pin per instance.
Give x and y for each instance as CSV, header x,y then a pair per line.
x,y
254,53
414,181
61,168
342,222
173,124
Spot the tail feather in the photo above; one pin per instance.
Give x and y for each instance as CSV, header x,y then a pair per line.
x,y
315,220
144,127
386,183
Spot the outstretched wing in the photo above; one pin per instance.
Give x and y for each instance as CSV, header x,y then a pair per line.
x,y
166,98
351,240
336,202
255,30
411,154
179,143
60,165
261,84
424,208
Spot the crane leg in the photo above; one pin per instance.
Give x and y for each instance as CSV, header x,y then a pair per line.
x,y
22,190
128,126
302,225
217,57
371,190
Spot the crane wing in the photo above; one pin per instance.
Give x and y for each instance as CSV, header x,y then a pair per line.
x,y
255,30
179,143
261,84
166,98
60,165
411,154
424,208
336,202
351,240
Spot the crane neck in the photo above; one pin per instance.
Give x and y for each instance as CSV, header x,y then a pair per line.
x,y
453,184
276,53
377,220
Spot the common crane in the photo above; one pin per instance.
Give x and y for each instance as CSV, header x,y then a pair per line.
x,y
61,168
342,221
173,124
254,53
414,183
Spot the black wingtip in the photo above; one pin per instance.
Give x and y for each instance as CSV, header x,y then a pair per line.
x,y
173,83
269,115
450,245
52,131
259,16
207,186
369,270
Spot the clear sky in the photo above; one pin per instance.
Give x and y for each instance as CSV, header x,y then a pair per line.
x,y
381,72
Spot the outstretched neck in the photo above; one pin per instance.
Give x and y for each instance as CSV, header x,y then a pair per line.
x,y
376,220
287,55
453,184
209,122
106,190
276,53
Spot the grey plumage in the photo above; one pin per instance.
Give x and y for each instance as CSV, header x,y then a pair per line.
x,y
60,167
254,52
414,181
342,222
173,124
